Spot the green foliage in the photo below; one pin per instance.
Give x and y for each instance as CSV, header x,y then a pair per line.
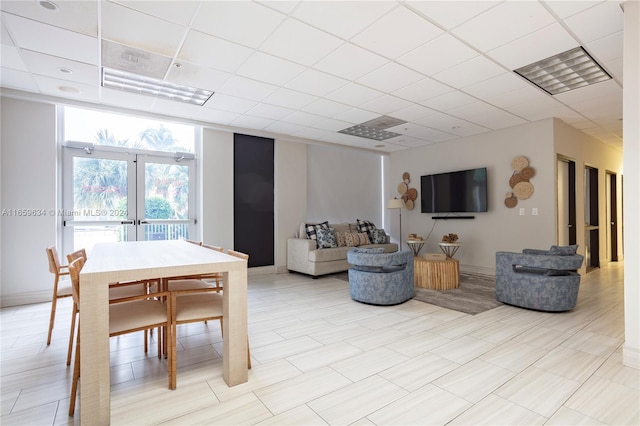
x,y
158,208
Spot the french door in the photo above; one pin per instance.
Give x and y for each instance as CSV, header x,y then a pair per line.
x,y
111,195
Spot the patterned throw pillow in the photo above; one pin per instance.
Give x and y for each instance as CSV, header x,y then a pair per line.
x,y
326,238
351,239
312,228
378,236
340,239
363,238
365,225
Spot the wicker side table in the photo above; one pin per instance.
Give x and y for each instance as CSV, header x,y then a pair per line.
x,y
436,274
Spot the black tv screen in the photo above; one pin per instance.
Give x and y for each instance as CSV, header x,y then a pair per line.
x,y
454,192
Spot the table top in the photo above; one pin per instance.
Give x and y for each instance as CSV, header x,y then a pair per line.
x,y
144,259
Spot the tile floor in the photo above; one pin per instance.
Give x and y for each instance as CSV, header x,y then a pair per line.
x,y
319,358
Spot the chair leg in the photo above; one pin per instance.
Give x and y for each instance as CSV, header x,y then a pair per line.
x,y
146,337
72,330
52,317
76,376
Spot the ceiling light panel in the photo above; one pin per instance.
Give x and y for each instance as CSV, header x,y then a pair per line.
x,y
368,132
135,83
563,72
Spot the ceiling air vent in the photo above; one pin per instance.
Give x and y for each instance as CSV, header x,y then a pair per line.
x,y
374,129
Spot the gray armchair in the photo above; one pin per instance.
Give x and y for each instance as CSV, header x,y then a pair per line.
x,y
544,280
380,278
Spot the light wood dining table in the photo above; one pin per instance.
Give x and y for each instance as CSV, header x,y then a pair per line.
x,y
140,260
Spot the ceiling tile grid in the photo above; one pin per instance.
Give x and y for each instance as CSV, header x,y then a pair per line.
x,y
306,68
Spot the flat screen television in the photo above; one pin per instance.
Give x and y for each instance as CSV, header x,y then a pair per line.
x,y
454,192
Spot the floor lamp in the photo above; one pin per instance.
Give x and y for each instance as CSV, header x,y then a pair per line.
x,y
397,203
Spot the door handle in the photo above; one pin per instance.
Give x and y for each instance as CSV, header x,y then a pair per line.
x,y
143,222
127,222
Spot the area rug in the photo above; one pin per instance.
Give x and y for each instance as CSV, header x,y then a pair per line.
x,y
477,293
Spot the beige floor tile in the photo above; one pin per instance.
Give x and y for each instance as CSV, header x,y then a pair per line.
x,y
339,333
457,328
496,411
474,380
288,394
569,363
565,416
418,344
592,343
513,356
301,415
35,415
418,324
496,332
607,401
615,371
542,337
430,406
376,339
368,363
538,390
351,403
284,349
417,372
463,349
323,356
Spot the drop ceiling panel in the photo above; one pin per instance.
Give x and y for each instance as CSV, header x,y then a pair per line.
x,y
234,104
289,98
385,104
354,94
302,118
193,75
300,43
269,69
449,100
81,17
5,38
283,128
437,55
487,116
597,22
397,33
390,77
541,44
412,112
15,79
247,88
117,98
220,54
331,124
504,23
356,115
11,59
133,28
450,14
316,82
494,86
36,36
607,48
459,75
271,112
51,66
55,87
345,19
244,22
214,116
326,108
250,122
180,12
564,9
424,89
350,62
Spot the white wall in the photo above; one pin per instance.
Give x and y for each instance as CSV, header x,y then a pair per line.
x,y
28,182
501,228
343,185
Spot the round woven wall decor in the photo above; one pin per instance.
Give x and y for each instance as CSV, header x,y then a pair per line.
x,y
519,163
528,172
409,204
515,179
510,202
402,188
523,190
412,194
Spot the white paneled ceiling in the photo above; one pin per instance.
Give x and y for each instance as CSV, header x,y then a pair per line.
x,y
307,69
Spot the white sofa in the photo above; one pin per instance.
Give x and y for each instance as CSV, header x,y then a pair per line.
x,y
303,254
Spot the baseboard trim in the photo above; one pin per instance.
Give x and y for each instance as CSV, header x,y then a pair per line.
x,y
261,270
30,298
477,270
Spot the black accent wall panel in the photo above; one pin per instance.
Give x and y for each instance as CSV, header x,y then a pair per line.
x,y
253,194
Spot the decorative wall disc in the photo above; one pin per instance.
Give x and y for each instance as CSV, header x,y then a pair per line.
x,y
409,204
412,194
406,177
510,202
515,179
402,188
519,163
523,190
528,172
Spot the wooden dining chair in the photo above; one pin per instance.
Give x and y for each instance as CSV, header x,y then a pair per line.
x,y
60,290
126,315
195,305
197,281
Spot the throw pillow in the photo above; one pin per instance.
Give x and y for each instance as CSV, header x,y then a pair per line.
x,y
326,238
378,236
363,238
563,250
312,228
365,225
340,239
351,239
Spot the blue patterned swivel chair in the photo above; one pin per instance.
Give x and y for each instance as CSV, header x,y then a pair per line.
x,y
544,280
380,278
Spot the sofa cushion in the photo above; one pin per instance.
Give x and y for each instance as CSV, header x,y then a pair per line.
x,y
365,226
329,254
340,227
372,250
563,250
378,236
340,239
311,229
326,238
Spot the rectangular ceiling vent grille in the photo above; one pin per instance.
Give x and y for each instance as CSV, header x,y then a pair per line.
x,y
375,129
563,72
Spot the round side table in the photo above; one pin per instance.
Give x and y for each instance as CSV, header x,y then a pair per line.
x,y
415,246
449,249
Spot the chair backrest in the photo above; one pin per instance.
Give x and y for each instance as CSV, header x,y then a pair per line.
x,y
216,248
74,271
238,254
77,254
198,243
54,260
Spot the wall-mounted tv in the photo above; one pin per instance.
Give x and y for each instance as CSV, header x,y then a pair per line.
x,y
454,192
